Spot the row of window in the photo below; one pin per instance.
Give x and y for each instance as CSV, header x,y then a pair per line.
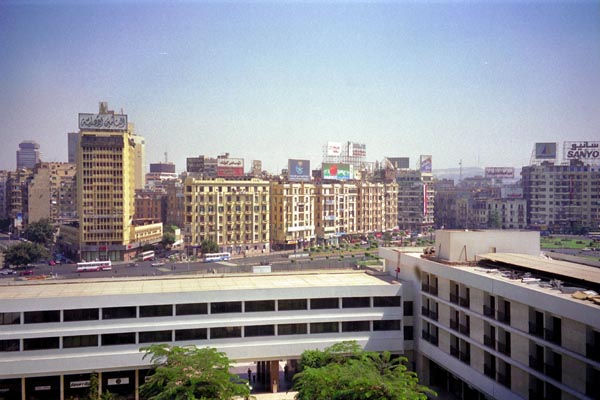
x,y
166,310
112,339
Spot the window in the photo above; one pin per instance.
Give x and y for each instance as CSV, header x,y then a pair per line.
x,y
9,345
165,310
408,332
258,306
408,308
83,314
356,302
292,304
386,301
118,312
155,337
112,339
324,303
10,318
226,332
387,325
191,334
291,329
36,317
41,343
356,326
226,307
324,327
80,341
191,309
259,330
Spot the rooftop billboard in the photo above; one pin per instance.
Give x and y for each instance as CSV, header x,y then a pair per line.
x,y
425,163
357,149
334,148
500,172
230,167
298,170
102,122
584,151
545,151
340,172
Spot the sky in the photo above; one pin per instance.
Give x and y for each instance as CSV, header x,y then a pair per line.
x,y
477,81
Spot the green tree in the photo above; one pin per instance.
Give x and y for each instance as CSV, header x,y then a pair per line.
x,y
350,373
190,373
41,232
168,239
94,390
25,253
494,220
209,246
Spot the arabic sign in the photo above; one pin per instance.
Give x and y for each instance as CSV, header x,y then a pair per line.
x,y
102,122
500,172
357,149
511,192
298,170
334,149
341,172
228,167
585,151
79,384
425,163
545,151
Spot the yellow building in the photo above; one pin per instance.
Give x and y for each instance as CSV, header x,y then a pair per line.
x,y
292,214
52,192
106,162
232,213
377,206
336,211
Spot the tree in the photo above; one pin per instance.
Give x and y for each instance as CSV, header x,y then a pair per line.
x,y
209,246
345,371
41,232
25,253
94,390
190,373
168,239
494,220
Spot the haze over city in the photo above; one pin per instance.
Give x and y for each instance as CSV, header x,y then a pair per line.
x,y
270,81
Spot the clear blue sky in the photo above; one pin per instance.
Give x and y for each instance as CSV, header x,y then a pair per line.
x,y
478,81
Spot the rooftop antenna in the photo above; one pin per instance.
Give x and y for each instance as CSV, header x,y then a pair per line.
x,y
166,159
460,171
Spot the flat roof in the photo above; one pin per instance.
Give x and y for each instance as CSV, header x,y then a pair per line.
x,y
190,283
548,265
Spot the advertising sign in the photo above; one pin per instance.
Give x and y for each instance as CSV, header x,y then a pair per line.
x,y
357,149
584,151
340,172
79,384
545,151
400,162
228,167
102,122
511,192
425,164
298,170
334,148
500,172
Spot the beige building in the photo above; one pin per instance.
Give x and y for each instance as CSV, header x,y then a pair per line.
x,y
232,213
52,192
292,215
17,197
416,198
377,206
336,211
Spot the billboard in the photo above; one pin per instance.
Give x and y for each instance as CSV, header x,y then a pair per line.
x,y
228,167
400,162
511,192
357,149
102,122
425,164
584,151
298,170
334,148
545,151
340,172
500,172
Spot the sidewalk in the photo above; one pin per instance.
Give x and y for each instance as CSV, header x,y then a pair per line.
x,y
275,396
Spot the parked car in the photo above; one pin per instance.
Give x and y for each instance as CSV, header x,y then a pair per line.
x,y
7,271
26,272
158,264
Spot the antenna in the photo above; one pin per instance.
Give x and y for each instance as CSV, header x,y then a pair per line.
x,y
460,171
166,159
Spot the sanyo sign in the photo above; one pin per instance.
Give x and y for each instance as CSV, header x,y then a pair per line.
x,y
584,151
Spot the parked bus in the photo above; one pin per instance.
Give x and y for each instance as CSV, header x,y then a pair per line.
x,y
210,257
147,255
92,266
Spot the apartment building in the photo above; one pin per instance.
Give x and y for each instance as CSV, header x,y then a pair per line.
x,y
416,200
150,206
562,198
54,335
3,194
52,192
336,211
496,320
232,213
17,197
292,214
377,206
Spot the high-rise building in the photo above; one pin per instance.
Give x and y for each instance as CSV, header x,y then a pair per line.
x,y
3,194
107,164
377,206
72,146
292,214
416,196
28,154
17,197
52,192
139,151
336,211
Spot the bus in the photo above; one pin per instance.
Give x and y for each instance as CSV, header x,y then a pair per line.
x,y
92,266
210,257
147,255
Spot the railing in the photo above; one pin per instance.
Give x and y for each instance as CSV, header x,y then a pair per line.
x,y
465,357
503,317
425,311
489,371
433,290
489,342
433,315
425,335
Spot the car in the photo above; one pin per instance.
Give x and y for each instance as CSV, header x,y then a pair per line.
x,y
26,272
51,262
7,271
158,264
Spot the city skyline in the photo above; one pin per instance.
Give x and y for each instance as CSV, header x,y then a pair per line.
x,y
474,82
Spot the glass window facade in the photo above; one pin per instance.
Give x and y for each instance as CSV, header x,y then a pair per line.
x,y
259,330
39,317
259,306
356,326
324,327
80,341
155,337
118,312
165,310
387,325
191,334
83,314
191,309
324,303
292,329
386,301
112,339
226,332
356,302
292,304
226,307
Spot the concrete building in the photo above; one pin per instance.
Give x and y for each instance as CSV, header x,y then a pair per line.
x,y
562,198
336,211
150,206
232,213
160,175
416,200
72,146
496,320
377,206
3,194
175,203
28,154
292,214
17,198
52,192
203,165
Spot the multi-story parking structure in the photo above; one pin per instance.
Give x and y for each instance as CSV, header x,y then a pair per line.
x,y
54,335
232,213
292,216
496,324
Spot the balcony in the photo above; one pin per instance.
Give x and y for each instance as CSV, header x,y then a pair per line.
x,y
454,324
464,302
553,371
489,371
433,290
489,342
504,317
535,329
453,298
425,335
425,311
433,315
504,348
454,351
465,357
489,311
464,329
536,364
552,336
